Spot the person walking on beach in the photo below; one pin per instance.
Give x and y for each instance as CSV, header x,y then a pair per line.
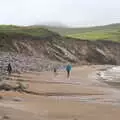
x,y
68,69
55,71
9,69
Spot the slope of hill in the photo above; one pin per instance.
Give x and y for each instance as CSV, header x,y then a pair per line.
x,y
9,33
33,47
107,32
33,31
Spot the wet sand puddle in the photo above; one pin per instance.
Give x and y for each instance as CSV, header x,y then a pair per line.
x,y
112,97
90,99
12,104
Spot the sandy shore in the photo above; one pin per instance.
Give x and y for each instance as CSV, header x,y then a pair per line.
x,y
82,97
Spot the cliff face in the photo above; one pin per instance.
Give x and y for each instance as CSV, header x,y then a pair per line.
x,y
67,50
29,51
83,51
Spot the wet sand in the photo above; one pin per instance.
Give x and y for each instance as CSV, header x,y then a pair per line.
x,y
82,97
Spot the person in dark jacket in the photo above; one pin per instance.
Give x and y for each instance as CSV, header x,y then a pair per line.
x,y
9,69
55,71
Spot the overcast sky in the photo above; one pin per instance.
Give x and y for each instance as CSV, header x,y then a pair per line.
x,y
69,12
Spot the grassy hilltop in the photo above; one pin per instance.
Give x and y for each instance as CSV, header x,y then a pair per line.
x,y
107,32
29,31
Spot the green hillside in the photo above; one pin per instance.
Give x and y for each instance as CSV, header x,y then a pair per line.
x,y
9,33
30,31
107,32
98,35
